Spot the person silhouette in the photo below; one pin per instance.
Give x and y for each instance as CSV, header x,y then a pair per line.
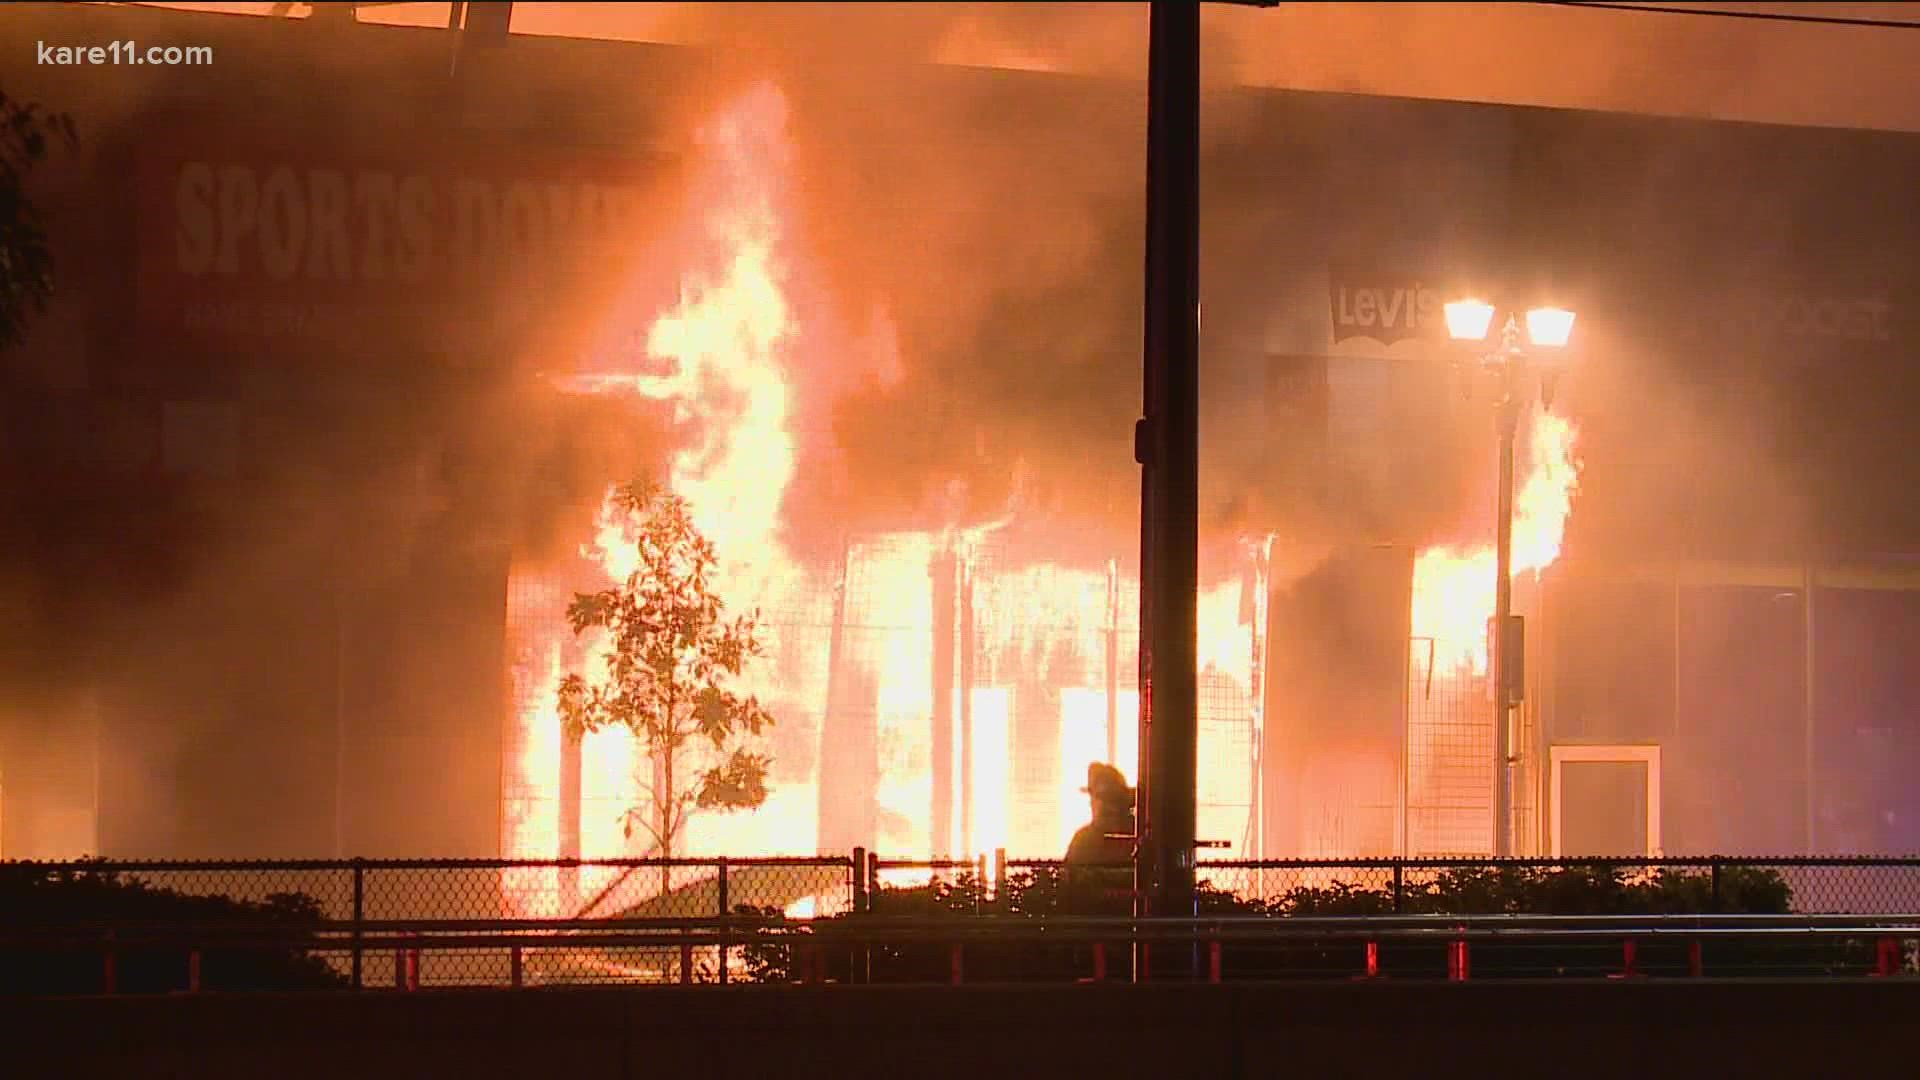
x,y
1107,840
1099,864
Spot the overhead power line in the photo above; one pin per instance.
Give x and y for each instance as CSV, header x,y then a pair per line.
x,y
1736,13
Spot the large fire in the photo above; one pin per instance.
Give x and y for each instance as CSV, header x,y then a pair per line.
x,y
1453,586
1450,721
719,357
1041,656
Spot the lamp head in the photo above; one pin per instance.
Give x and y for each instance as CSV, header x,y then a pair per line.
x,y
1549,327
1469,320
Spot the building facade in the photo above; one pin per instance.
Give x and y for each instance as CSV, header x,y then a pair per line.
x,y
273,515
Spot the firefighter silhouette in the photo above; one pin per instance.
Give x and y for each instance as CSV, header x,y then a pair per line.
x,y
1100,858
1099,870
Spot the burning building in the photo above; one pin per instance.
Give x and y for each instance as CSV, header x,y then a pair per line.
x,y
355,366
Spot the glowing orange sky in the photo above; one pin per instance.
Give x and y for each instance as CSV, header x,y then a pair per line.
x,y
1513,53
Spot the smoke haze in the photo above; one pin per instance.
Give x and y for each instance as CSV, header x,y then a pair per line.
x,y
967,249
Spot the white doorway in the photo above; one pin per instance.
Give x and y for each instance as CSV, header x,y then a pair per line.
x,y
1605,801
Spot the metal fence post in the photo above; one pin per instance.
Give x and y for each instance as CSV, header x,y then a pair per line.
x,y
1399,883
1715,866
859,962
726,917
359,914
872,872
999,870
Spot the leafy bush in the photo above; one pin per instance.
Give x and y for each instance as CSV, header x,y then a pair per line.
x,y
54,943
1576,889
1598,889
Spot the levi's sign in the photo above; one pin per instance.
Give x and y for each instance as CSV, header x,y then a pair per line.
x,y
1385,308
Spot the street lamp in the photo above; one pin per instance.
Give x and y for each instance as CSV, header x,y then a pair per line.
x,y
1546,328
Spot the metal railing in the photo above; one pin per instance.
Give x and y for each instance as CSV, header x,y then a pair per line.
x,y
1010,949
513,923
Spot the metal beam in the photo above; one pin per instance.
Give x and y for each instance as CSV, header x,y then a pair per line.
x,y
1167,445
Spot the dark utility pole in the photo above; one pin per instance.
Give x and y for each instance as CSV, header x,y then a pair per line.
x,y
1167,444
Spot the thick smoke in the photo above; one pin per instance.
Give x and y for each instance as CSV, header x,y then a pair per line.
x,y
210,590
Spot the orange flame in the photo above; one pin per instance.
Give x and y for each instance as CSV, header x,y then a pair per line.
x,y
1453,586
723,350
531,816
726,349
726,346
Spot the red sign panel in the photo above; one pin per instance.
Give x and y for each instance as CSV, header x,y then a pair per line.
x,y
250,243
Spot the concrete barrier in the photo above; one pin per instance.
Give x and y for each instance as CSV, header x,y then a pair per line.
x,y
1637,1028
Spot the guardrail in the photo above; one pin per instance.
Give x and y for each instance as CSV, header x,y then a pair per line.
x,y
1085,949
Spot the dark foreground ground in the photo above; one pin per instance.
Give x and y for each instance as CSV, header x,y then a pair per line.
x,y
1405,1030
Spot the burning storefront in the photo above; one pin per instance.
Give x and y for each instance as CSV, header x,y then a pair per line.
x,y
952,682
453,329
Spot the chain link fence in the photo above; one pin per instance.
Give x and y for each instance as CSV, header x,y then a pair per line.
x,y
443,923
805,887
1786,884
368,899
1823,886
